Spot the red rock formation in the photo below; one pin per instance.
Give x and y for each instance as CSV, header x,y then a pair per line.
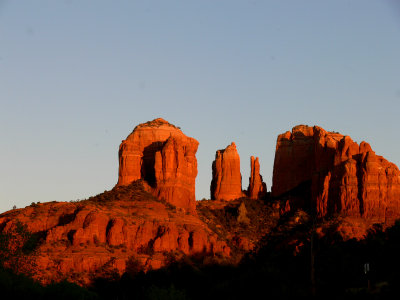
x,y
243,243
175,171
257,188
342,176
84,237
226,182
165,158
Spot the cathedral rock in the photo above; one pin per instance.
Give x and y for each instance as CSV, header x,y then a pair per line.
x,y
336,174
160,154
315,171
226,181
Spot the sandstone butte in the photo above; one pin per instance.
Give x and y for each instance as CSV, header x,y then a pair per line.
x,y
226,181
257,188
160,154
335,176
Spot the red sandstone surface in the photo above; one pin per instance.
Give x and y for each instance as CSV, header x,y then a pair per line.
x,y
226,178
159,153
344,178
81,238
257,188
151,213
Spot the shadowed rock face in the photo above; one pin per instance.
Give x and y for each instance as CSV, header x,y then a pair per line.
x,y
342,176
257,188
226,181
165,158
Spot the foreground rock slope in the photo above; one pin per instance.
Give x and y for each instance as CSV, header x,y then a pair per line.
x,y
335,176
77,240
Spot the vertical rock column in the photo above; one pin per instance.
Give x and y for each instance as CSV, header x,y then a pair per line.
x,y
226,181
175,173
257,188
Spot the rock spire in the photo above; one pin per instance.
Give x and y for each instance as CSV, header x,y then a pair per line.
x,y
257,188
226,181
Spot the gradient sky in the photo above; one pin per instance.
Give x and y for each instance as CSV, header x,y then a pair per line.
x,y
77,76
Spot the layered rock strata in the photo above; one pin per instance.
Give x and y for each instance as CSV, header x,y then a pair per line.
x,y
257,188
159,153
341,176
80,239
226,181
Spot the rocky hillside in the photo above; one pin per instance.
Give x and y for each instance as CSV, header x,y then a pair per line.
x,y
323,184
80,239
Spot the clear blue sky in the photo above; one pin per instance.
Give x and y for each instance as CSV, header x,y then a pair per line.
x,y
77,76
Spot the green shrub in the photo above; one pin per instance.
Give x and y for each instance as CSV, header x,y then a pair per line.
x,y
169,293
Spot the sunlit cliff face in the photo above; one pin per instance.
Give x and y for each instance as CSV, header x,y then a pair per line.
x,y
342,177
159,153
